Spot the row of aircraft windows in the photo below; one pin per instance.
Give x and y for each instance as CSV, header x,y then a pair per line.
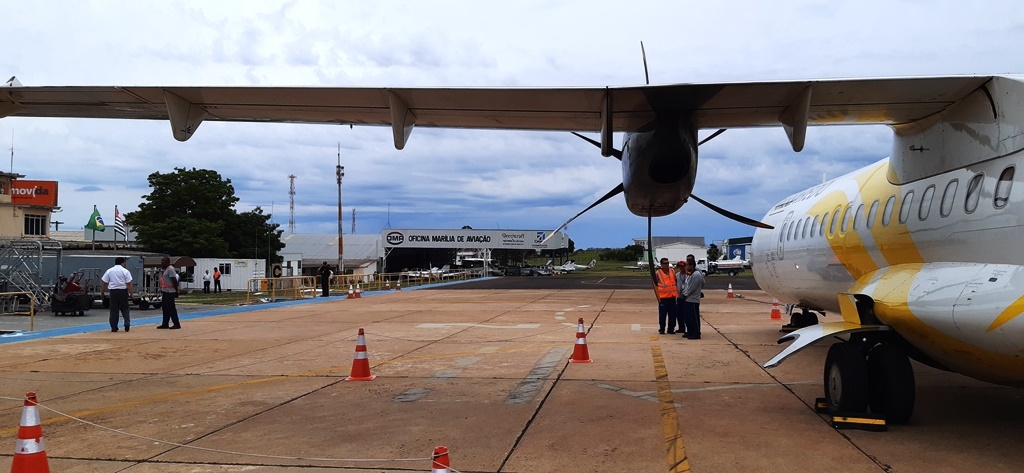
x,y
841,218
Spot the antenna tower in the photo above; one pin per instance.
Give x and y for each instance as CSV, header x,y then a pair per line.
x,y
291,203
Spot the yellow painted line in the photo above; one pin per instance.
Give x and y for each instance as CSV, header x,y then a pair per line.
x,y
675,451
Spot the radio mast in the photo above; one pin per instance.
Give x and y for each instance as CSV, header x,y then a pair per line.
x,y
291,203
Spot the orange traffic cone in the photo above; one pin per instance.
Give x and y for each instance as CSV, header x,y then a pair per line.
x,y
351,293
580,354
440,462
776,313
398,285
389,284
729,294
360,364
29,455
359,292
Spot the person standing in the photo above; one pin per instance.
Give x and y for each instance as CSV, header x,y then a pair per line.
x,y
119,280
216,280
691,308
665,286
206,282
324,271
168,292
680,299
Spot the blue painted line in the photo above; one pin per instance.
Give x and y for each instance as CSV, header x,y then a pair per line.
x,y
136,322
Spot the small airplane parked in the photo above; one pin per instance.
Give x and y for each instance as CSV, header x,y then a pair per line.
x,y
572,266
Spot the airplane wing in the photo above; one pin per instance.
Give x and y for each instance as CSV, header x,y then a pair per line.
x,y
723,105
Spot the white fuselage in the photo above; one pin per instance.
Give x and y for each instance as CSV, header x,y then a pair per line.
x,y
932,235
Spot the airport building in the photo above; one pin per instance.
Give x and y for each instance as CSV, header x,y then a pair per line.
x,y
31,204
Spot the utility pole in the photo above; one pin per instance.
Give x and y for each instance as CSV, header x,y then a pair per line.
x,y
340,171
291,203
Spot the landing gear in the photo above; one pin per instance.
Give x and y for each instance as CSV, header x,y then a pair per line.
x,y
891,383
798,320
882,381
846,379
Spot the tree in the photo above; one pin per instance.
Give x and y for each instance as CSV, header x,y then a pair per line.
x,y
191,212
251,235
713,252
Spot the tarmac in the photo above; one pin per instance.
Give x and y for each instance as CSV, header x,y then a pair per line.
x,y
484,372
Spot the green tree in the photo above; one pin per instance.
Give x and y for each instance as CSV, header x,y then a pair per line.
x,y
714,253
191,212
252,235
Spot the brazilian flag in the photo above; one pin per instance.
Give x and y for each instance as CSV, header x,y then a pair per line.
x,y
95,221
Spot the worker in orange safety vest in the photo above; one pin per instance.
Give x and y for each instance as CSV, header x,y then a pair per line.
x,y
665,285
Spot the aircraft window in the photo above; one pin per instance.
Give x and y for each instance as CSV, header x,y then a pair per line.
x,y
806,226
926,202
1003,188
835,222
798,229
814,226
948,196
858,216
908,201
824,223
973,192
872,213
789,231
846,218
887,213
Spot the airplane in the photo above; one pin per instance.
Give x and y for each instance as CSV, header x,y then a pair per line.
x,y
639,266
571,265
917,253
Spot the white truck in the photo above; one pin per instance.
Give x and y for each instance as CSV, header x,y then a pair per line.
x,y
730,266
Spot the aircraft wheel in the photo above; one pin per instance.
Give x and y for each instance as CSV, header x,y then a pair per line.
x,y
803,319
846,379
891,382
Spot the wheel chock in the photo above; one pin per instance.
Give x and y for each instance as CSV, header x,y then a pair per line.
x,y
859,421
821,405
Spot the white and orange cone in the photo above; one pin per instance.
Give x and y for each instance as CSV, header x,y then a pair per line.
x,y
360,363
730,294
440,463
359,291
29,455
580,354
398,286
351,292
389,284
776,313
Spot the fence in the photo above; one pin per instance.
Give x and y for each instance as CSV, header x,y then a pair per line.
x,y
304,287
19,303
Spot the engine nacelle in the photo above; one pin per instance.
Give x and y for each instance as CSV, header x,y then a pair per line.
x,y
659,166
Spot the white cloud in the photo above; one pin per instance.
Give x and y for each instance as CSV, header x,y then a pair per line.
x,y
456,177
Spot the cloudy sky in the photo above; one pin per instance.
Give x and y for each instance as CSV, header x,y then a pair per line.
x,y
451,178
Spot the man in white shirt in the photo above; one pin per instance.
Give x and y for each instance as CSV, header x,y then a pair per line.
x,y
119,280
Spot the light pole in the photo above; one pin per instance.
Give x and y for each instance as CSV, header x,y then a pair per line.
x,y
340,171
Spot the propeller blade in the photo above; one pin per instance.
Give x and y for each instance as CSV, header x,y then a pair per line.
x,y
733,216
710,137
615,152
650,257
612,193
643,53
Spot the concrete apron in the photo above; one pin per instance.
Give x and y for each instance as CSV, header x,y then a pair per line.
x,y
486,374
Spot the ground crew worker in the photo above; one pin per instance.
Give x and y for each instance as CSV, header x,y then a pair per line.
x,y
665,285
